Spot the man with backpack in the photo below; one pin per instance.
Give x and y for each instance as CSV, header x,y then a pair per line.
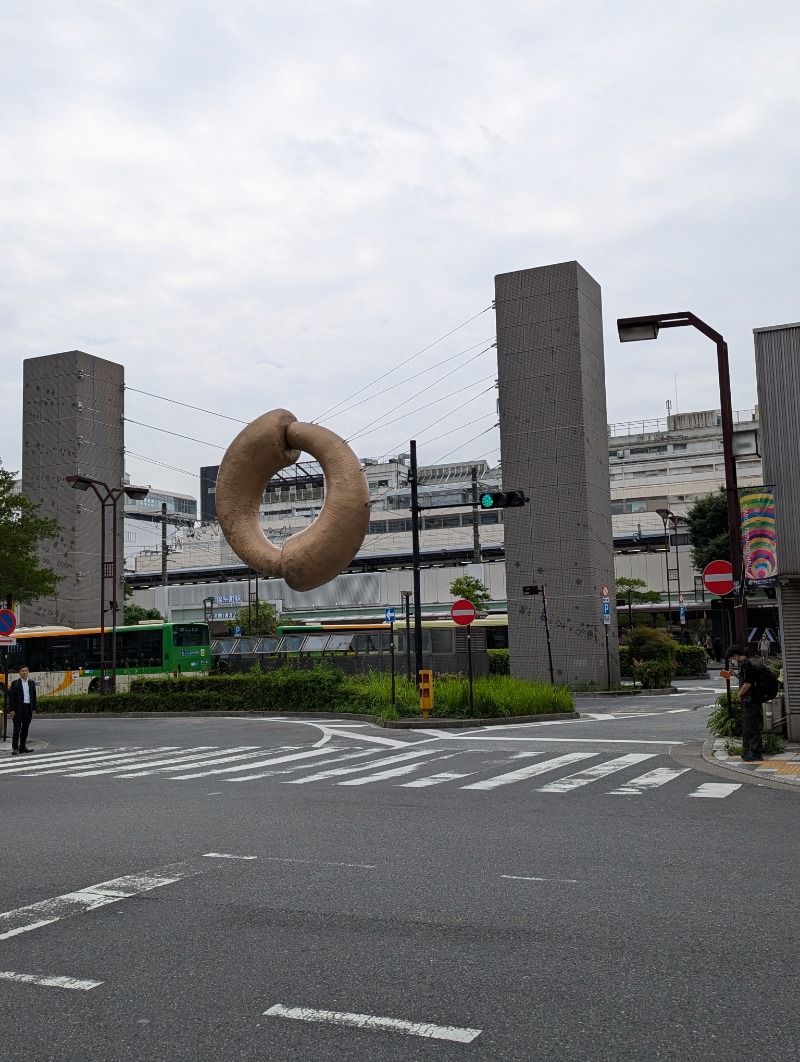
x,y
756,685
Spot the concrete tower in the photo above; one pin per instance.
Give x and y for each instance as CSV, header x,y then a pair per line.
x,y
554,445
72,424
778,380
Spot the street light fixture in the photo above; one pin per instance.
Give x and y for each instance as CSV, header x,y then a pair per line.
x,y
208,609
669,517
108,497
632,329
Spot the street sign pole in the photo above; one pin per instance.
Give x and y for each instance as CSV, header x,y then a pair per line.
x,y
547,633
469,672
391,656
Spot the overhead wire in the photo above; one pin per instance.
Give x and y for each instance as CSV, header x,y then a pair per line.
x,y
383,419
401,364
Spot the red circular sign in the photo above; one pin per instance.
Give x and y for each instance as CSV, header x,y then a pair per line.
x,y
463,612
8,622
718,577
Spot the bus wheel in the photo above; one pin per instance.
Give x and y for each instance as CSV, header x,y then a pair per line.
x,y
94,685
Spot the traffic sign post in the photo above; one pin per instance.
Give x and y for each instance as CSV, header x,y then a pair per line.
x,y
390,614
8,624
463,613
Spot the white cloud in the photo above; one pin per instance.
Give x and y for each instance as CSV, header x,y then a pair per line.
x,y
254,205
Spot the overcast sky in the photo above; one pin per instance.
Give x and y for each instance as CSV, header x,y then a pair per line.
x,y
261,204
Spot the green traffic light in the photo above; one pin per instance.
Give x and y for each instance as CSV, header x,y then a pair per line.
x,y
487,501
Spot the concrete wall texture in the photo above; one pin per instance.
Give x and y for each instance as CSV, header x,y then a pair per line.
x,y
778,379
554,445
72,424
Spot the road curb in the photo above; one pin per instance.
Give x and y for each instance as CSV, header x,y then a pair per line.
x,y
744,773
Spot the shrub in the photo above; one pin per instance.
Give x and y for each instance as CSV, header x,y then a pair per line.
x,y
498,662
653,656
692,661
723,722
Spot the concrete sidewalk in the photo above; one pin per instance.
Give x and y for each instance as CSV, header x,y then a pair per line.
x,y
783,767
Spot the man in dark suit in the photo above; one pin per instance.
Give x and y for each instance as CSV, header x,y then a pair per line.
x,y
22,705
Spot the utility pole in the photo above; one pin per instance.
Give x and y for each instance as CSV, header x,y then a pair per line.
x,y
415,511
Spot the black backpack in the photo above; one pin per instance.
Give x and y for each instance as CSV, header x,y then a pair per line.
x,y
765,682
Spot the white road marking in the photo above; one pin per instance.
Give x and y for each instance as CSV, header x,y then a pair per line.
x,y
63,760
303,766
230,756
369,1021
225,855
249,766
434,779
556,881
561,741
392,772
24,919
118,758
322,775
49,982
716,790
651,780
373,739
181,756
195,757
592,774
319,862
531,771
596,715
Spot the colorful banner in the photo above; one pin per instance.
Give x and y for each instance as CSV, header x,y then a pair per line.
x,y
759,556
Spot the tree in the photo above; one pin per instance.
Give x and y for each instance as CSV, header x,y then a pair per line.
x,y
21,531
258,618
471,589
707,520
134,613
629,591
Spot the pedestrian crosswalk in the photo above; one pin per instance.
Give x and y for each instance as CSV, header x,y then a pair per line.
x,y
413,766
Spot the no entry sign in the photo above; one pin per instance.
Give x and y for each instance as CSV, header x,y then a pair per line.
x,y
718,577
8,621
463,612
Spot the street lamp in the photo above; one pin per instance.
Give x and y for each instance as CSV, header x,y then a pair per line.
x,y
208,609
669,517
632,329
108,497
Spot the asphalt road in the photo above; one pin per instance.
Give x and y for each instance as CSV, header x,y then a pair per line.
x,y
566,891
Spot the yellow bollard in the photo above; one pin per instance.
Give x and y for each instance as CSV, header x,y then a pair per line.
x,y
425,692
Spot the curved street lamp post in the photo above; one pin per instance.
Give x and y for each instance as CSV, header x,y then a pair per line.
x,y
633,329
108,497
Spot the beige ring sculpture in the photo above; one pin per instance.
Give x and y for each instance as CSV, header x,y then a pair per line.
x,y
319,552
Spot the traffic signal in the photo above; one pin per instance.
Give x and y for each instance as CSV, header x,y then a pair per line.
x,y
503,499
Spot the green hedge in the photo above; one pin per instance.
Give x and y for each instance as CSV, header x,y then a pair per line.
x,y
498,662
692,661
324,689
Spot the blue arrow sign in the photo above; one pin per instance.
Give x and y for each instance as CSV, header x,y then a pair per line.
x,y
389,615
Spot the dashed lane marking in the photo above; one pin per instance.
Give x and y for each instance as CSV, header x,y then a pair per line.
x,y
370,1021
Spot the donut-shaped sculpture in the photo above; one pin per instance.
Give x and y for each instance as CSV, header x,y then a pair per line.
x,y
320,551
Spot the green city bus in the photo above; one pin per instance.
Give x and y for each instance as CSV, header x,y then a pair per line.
x,y
63,660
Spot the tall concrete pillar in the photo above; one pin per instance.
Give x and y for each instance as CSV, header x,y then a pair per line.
x,y
554,445
778,379
72,424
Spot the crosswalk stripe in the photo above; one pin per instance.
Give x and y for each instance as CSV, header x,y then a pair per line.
x,y
391,772
181,756
229,756
304,766
388,760
61,758
206,759
263,763
434,779
716,790
118,759
651,780
592,774
541,767
61,754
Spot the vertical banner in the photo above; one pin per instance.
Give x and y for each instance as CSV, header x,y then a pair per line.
x,y
759,554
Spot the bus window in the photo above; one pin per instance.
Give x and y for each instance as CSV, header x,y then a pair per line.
x,y
152,647
189,634
37,654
